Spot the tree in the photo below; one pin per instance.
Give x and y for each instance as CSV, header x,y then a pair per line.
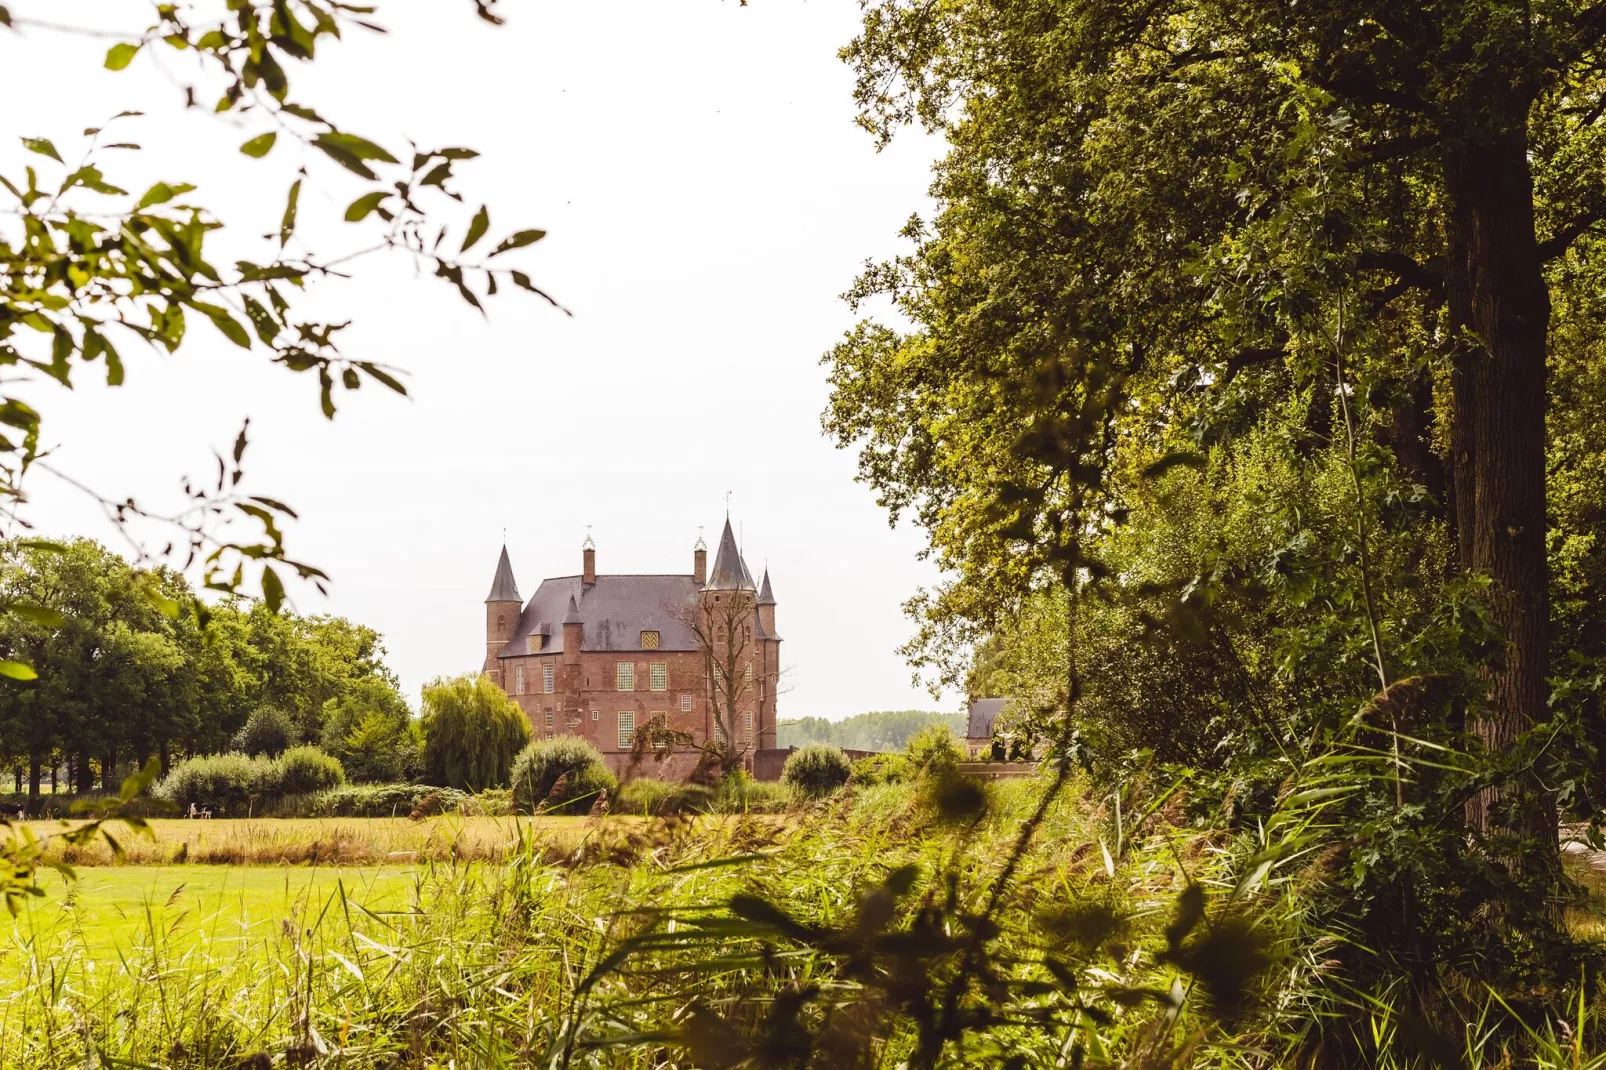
x,y
371,730
89,267
472,732
1151,214
723,627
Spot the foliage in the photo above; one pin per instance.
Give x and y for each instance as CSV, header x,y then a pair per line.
x,y
302,770
539,767
934,752
373,733
816,769
89,267
649,796
472,732
267,732
878,730
876,769
373,800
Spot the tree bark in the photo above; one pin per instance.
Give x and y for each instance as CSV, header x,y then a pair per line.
x,y
108,770
33,778
1500,312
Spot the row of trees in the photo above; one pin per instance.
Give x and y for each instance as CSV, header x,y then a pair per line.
x,y
877,730
130,664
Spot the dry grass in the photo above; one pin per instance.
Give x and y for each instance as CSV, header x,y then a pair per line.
x,y
336,840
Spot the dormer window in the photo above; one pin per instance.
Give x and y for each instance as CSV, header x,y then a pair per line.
x,y
535,643
649,640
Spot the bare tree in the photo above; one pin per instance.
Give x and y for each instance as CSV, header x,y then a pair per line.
x,y
723,623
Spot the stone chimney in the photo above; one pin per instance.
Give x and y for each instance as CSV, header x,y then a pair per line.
x,y
699,562
588,553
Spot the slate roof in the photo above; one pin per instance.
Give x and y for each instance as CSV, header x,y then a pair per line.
x,y
503,589
730,571
615,610
983,712
765,596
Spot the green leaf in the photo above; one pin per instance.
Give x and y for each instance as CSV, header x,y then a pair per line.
x,y
121,55
345,159
364,206
225,323
359,147
260,145
272,588
45,618
161,193
17,670
477,228
287,225
518,240
43,147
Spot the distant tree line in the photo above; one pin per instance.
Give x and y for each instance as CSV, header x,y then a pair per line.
x,y
130,664
880,730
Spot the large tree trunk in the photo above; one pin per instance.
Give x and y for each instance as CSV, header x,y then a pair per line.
x,y
33,778
1500,306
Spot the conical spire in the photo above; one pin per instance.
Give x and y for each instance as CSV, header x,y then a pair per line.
x,y
573,615
730,571
766,597
503,589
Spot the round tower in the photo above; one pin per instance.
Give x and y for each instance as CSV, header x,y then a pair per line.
x,y
501,616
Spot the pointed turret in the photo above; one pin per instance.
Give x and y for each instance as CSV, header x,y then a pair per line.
x,y
503,589
766,597
501,614
730,571
573,614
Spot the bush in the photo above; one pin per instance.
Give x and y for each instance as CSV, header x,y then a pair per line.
x,y
739,793
935,752
472,732
816,770
495,802
540,765
375,800
229,783
268,731
659,797
876,769
303,770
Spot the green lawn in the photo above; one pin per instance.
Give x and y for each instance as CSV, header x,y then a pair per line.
x,y
221,909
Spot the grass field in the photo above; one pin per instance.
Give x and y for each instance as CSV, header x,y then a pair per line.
x,y
108,912
329,841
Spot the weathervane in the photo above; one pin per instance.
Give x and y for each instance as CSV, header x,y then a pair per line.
x,y
728,505
588,544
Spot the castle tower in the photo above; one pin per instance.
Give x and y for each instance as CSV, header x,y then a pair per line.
x,y
770,648
501,615
730,615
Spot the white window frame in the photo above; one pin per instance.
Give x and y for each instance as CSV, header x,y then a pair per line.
x,y
596,715
624,676
685,702
546,677
749,716
627,728
548,714
658,676
518,678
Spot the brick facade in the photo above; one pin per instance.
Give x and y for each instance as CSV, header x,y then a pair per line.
x,y
597,655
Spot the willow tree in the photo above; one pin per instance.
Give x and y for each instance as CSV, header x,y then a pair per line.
x,y
472,732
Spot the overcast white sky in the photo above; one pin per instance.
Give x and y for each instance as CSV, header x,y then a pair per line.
x,y
707,198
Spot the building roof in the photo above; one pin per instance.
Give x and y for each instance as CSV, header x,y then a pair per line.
x,y
614,611
983,712
730,571
503,589
765,596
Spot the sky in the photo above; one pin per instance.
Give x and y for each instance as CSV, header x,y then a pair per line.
x,y
707,199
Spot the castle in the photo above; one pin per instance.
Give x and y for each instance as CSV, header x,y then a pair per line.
x,y
600,656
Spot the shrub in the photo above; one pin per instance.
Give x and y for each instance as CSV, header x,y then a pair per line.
x,y
540,765
659,797
875,769
375,800
816,770
739,793
303,770
371,730
472,732
268,731
934,751
226,782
